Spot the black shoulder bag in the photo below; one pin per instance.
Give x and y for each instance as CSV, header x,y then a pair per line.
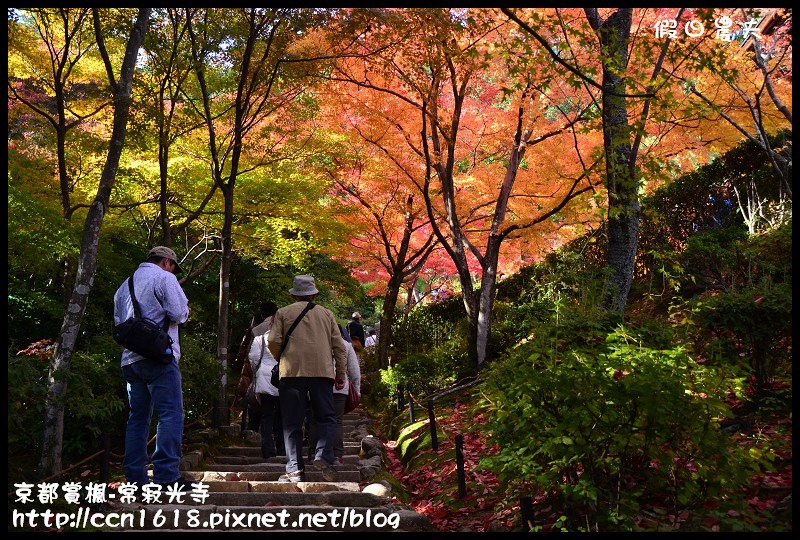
x,y
143,336
275,376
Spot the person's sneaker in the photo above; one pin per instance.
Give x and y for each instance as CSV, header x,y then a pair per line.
x,y
328,472
293,477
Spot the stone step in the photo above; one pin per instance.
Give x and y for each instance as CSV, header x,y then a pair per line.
x,y
327,498
242,494
264,486
230,452
270,472
351,459
251,458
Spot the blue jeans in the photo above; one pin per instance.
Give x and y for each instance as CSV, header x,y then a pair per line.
x,y
153,386
292,393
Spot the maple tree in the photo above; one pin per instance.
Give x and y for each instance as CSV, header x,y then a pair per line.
x,y
749,88
87,265
161,92
54,79
462,146
637,98
372,175
260,87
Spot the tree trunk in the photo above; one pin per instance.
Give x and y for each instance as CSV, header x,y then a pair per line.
x,y
221,415
621,181
50,462
483,324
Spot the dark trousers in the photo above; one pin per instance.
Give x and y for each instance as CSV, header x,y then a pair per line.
x,y
253,418
339,401
271,427
293,391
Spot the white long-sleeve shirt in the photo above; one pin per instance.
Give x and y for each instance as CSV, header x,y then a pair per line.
x,y
353,371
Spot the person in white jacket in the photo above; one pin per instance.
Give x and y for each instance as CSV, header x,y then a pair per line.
x,y
353,373
261,361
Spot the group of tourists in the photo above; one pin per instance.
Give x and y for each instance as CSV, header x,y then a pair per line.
x,y
316,359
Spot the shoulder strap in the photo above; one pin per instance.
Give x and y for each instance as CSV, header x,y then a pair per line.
x,y
263,346
137,313
308,307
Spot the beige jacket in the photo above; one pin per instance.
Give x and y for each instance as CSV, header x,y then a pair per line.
x,y
311,344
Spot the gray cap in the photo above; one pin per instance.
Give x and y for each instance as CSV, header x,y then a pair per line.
x,y
164,251
303,286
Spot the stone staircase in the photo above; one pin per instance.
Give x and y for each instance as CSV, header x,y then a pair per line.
x,y
240,491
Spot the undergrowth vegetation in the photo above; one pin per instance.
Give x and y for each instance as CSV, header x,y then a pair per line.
x,y
673,419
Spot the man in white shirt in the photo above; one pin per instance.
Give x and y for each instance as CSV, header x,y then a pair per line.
x,y
152,385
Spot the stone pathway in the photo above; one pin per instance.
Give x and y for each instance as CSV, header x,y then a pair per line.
x,y
243,493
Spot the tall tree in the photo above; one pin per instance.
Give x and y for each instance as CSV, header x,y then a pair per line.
x,y
622,184
394,239
749,86
168,56
241,61
621,140
64,100
465,133
50,462
639,104
58,90
169,202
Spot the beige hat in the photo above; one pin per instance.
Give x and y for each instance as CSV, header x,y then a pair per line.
x,y
164,251
303,286
356,315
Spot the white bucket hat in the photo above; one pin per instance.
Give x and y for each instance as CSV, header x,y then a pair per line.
x,y
303,286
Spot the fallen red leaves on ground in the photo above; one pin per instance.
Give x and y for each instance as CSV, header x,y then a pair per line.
x,y
434,488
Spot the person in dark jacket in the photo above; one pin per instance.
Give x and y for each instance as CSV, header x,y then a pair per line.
x,y
356,332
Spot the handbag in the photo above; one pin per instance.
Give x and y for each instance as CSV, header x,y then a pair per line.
x,y
144,336
275,376
244,380
253,399
353,398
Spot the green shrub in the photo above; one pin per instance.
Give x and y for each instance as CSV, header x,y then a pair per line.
x,y
428,373
200,374
755,321
605,429
94,406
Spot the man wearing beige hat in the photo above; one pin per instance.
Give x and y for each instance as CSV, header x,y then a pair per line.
x,y
306,371
153,385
